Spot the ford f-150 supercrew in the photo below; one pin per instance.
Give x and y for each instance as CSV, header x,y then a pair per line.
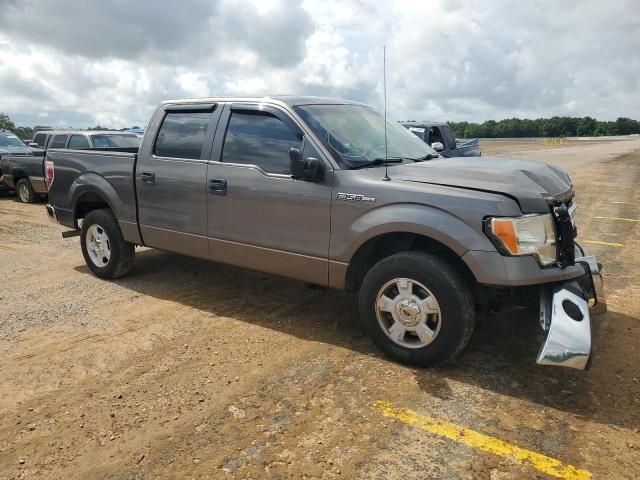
x,y
323,191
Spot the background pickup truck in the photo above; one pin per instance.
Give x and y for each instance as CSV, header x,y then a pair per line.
x,y
440,137
10,144
307,188
25,172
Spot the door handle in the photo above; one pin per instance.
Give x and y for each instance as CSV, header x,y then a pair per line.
x,y
217,186
148,178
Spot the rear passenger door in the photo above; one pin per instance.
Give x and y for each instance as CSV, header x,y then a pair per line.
x,y
171,180
259,216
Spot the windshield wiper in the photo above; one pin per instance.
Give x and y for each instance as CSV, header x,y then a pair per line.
x,y
429,156
377,161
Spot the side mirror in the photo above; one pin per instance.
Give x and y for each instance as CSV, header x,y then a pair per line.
x,y
437,146
310,169
33,144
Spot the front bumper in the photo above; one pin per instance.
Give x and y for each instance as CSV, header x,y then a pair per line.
x,y
565,316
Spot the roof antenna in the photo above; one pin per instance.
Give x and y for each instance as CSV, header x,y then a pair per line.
x,y
384,86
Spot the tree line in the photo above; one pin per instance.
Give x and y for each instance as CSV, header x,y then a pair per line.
x,y
545,127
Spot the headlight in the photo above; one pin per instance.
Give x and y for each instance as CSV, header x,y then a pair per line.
x,y
527,235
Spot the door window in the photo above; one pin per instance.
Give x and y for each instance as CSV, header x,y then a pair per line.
x,y
434,136
78,142
259,139
59,141
182,134
40,139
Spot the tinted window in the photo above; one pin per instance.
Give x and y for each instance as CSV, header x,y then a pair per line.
x,y
78,142
182,135
113,141
40,139
259,139
58,141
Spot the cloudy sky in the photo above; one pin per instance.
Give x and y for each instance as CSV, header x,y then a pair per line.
x,y
82,62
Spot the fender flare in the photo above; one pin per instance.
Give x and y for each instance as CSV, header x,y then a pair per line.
x,y
96,184
418,219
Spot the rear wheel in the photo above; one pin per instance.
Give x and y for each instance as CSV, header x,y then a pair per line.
x,y
25,191
105,251
417,308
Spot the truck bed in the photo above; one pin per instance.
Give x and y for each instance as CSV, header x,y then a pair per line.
x,y
82,172
14,167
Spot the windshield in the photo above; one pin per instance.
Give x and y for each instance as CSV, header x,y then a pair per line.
x,y
10,140
354,134
115,141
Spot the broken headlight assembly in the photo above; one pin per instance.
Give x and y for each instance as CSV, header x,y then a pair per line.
x,y
526,235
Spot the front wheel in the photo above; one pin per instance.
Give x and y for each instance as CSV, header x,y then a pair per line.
x,y
105,251
417,308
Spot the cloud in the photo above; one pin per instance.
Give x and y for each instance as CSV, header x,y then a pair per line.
x,y
79,62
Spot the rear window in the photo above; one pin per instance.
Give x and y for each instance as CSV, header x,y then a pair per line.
x,y
59,141
78,142
115,141
182,134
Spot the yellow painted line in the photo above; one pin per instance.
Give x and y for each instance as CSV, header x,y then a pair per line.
x,y
597,242
620,218
474,439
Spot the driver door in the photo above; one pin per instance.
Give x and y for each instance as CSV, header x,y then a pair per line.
x,y
259,217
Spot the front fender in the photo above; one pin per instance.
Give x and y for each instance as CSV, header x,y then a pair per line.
x,y
431,222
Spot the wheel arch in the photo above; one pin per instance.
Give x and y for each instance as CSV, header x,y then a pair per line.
x,y
387,244
91,192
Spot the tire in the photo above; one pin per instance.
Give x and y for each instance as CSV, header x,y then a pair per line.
x,y
25,191
105,251
434,332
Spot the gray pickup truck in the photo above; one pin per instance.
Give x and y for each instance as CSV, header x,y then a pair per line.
x,y
307,188
25,173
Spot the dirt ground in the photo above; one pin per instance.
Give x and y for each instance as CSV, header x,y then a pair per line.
x,y
189,369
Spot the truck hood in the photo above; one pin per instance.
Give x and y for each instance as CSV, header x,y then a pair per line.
x,y
16,150
529,183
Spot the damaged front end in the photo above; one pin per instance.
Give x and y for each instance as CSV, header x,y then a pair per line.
x,y
565,315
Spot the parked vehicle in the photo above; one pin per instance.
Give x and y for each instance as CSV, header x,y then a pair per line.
x,y
307,188
440,137
84,139
25,173
10,144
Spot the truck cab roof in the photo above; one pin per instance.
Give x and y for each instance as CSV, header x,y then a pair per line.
x,y
288,100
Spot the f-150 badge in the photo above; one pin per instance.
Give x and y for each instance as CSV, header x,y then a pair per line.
x,y
354,197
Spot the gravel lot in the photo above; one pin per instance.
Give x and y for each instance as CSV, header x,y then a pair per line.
x,y
189,369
